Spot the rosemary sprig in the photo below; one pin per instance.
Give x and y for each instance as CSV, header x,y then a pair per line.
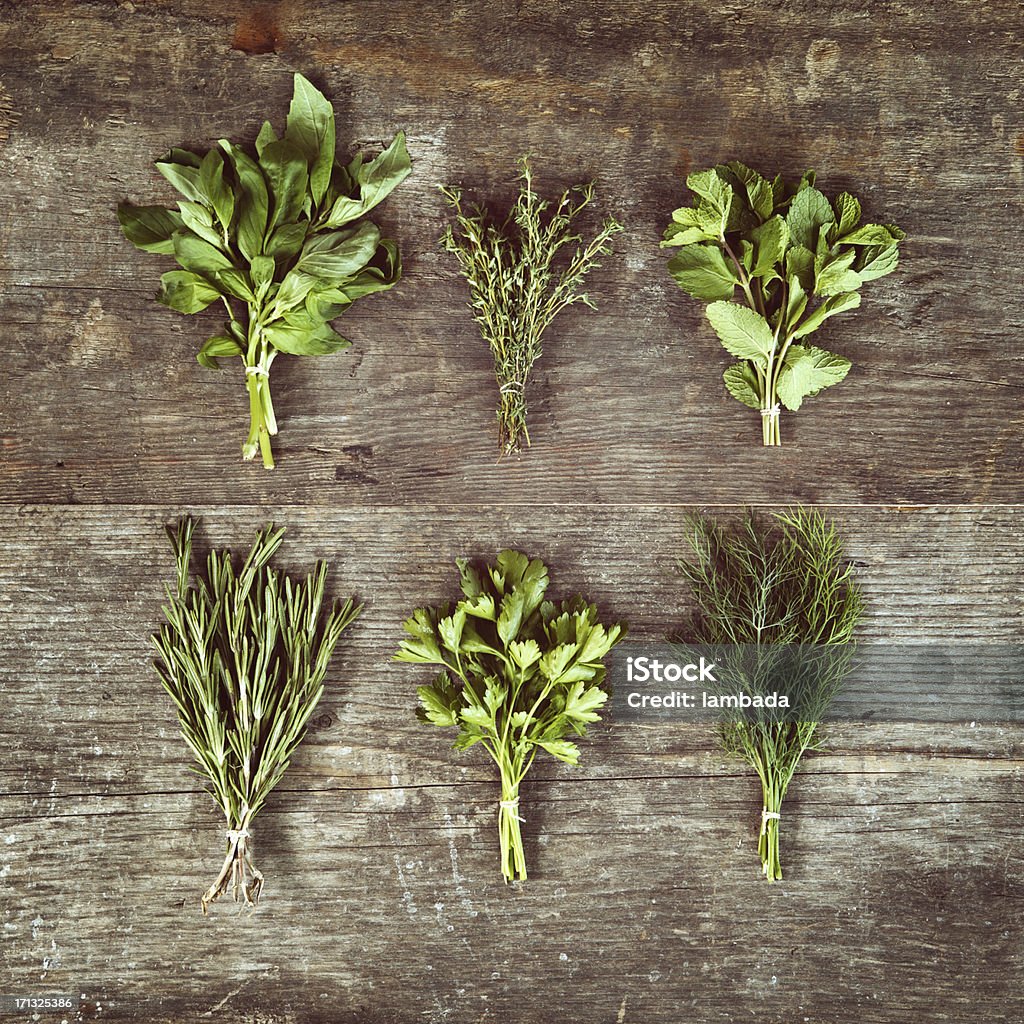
x,y
243,656
519,282
766,584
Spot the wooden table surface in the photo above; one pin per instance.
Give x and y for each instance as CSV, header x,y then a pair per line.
x,y
903,900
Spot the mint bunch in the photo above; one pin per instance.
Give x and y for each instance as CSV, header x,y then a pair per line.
x,y
519,674
796,258
279,239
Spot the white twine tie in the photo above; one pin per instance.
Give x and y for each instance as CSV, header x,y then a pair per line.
x,y
511,805
257,371
235,835
773,412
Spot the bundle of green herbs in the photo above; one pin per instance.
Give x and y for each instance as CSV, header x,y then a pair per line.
x,y
520,280
243,655
519,674
778,590
797,260
280,240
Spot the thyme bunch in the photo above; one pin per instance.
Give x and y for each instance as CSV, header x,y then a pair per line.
x,y
782,591
520,280
243,655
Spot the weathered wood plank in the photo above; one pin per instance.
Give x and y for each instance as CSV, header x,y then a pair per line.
x,y
903,896
912,106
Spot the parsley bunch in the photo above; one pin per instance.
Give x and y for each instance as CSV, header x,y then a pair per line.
x,y
280,240
520,280
243,655
782,591
518,675
797,260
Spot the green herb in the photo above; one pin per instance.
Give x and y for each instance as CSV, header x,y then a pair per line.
x,y
278,240
243,656
519,281
766,584
519,674
797,260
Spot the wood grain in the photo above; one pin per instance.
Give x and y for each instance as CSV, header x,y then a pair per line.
x,y
903,894
903,900
914,109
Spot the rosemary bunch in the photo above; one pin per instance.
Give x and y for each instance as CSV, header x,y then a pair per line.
x,y
243,655
759,586
518,674
519,281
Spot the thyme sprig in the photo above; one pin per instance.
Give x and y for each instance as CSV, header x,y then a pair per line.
x,y
243,655
520,280
764,584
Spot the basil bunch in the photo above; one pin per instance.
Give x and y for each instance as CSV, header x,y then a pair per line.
x,y
518,675
279,240
797,260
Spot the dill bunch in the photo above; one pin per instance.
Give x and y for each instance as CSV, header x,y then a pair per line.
x,y
520,279
780,593
243,655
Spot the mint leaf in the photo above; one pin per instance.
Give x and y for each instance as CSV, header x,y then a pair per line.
x,y
702,271
806,371
743,333
774,261
831,306
808,213
743,384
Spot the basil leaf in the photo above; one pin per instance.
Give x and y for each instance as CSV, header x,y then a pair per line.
x,y
266,136
743,333
234,282
310,128
220,345
149,228
339,254
285,169
185,179
199,256
377,180
186,292
287,240
254,207
702,271
218,192
299,341
199,220
808,370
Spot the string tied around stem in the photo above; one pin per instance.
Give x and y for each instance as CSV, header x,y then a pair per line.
x,y
257,371
511,806
772,413
767,816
